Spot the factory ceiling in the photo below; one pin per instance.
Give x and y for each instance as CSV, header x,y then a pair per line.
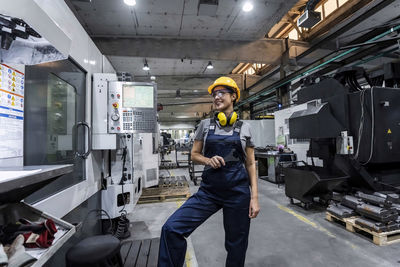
x,y
178,38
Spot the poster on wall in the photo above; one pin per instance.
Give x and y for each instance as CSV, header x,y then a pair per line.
x,y
11,112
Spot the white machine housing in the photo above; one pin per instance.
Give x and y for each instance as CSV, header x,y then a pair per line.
x,y
150,160
117,196
117,128
101,138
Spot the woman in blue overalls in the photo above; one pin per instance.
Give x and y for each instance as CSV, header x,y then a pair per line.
x,y
228,182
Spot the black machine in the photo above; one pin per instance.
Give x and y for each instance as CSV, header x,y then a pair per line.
x,y
355,130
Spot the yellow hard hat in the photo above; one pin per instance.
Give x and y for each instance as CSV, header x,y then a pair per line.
x,y
225,81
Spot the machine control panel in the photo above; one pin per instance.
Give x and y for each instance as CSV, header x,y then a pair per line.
x,y
132,107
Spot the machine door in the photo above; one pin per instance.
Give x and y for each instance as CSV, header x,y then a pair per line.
x,y
55,131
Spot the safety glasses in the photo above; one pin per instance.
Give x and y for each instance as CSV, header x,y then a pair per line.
x,y
221,93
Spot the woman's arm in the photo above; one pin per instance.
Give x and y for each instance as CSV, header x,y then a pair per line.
x,y
251,170
198,157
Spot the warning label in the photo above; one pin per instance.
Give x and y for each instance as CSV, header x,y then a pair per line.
x,y
12,85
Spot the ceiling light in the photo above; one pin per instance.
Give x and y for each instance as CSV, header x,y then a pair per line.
x,y
248,6
130,2
146,67
153,78
210,65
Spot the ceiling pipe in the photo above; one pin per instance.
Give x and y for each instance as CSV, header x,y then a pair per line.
x,y
309,71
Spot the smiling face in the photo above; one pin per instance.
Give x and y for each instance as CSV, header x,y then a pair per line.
x,y
222,99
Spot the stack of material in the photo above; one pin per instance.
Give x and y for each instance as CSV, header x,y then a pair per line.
x,y
379,211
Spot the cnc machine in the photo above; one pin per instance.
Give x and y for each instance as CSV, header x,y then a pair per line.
x,y
124,123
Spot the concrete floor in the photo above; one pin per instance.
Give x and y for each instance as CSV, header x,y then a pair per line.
x,y
281,235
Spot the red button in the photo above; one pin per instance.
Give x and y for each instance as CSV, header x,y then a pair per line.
x,y
118,95
118,128
115,105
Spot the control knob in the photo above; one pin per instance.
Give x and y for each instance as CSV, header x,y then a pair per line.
x,y
115,116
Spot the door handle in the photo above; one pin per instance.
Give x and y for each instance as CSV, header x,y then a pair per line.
x,y
89,147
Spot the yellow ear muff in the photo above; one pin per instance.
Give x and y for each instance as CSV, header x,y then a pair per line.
x,y
233,118
222,118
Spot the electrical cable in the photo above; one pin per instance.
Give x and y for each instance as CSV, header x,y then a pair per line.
x,y
123,221
122,226
122,181
361,127
384,25
355,81
372,127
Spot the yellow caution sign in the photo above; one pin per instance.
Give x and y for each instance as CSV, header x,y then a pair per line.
x,y
13,79
13,103
389,131
13,98
13,84
13,73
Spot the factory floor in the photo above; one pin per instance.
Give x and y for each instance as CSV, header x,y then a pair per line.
x,y
281,235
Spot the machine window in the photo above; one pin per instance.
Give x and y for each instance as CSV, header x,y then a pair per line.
x,y
54,104
61,118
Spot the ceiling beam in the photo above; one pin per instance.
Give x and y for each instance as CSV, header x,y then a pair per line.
x,y
266,51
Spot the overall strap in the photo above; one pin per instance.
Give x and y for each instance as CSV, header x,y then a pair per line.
x,y
211,128
238,127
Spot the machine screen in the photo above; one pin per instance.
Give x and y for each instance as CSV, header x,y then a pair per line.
x,y
137,96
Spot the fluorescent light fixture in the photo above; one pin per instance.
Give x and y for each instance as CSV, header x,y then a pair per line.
x,y
153,78
146,67
210,65
248,6
92,62
130,2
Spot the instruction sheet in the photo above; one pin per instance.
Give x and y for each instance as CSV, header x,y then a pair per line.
x,y
11,112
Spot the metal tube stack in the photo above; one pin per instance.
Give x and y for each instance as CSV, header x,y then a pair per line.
x,y
379,211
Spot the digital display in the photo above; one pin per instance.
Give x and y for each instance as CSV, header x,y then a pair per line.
x,y
137,96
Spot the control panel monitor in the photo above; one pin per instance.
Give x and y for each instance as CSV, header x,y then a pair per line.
x,y
137,96
132,107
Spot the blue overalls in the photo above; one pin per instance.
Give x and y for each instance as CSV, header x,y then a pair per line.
x,y
226,187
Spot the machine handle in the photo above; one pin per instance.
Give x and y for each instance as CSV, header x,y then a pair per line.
x,y
89,149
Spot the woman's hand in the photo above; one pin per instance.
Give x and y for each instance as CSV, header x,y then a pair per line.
x,y
216,162
254,208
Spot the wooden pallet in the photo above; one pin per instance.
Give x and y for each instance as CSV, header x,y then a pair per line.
x,y
164,194
173,181
380,239
140,253
168,166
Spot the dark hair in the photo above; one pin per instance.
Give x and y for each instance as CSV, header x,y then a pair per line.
x,y
233,92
